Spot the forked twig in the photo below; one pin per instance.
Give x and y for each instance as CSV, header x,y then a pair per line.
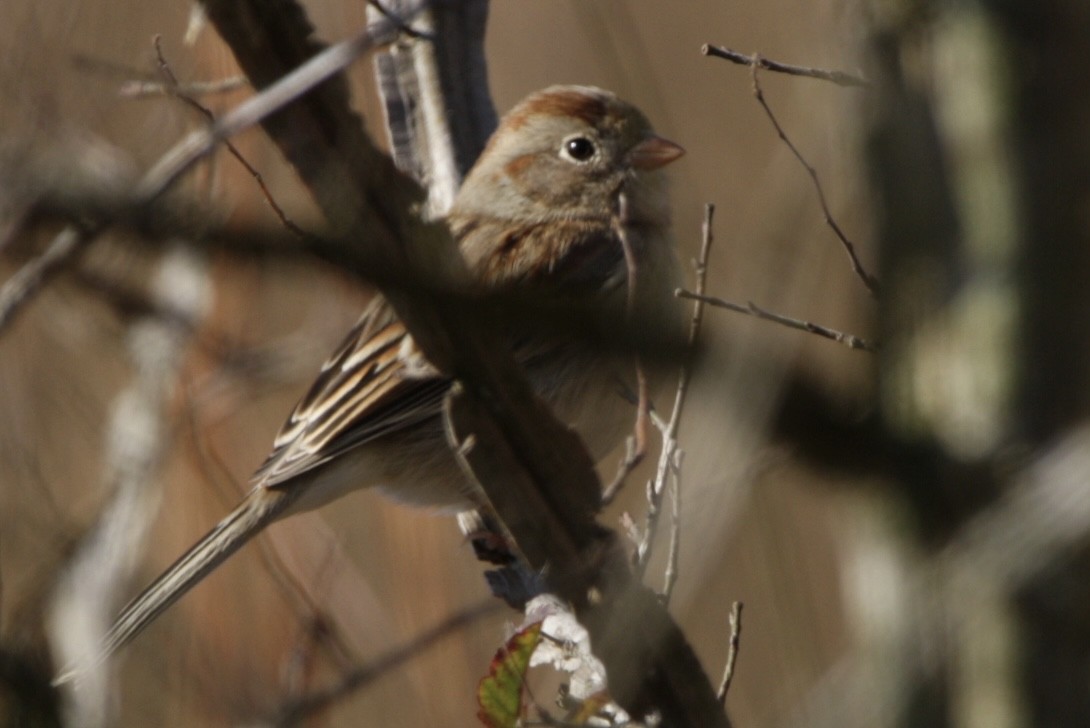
x,y
670,455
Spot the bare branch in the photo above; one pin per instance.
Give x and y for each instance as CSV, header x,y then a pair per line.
x,y
135,440
670,455
174,88
751,309
197,144
840,78
857,265
137,84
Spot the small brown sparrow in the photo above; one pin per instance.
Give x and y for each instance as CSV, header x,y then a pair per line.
x,y
538,211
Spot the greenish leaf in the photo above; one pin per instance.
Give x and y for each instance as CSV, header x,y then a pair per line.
x,y
499,694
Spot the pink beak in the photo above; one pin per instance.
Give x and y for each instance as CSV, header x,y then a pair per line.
x,y
654,152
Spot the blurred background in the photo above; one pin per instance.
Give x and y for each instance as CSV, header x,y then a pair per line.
x,y
844,577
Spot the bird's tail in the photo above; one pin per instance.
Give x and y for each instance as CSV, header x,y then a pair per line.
x,y
260,508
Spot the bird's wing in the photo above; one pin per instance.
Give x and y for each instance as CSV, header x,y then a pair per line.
x,y
376,383
379,382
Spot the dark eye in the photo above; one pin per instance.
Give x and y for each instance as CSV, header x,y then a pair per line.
x,y
579,148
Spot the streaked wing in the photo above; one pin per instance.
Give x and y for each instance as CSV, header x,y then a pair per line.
x,y
376,383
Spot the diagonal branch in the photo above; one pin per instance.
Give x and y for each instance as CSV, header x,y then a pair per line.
x,y
751,309
62,252
857,265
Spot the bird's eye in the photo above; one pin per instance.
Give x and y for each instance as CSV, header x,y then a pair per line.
x,y
579,149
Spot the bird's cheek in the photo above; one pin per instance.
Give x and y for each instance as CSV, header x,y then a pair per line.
x,y
519,167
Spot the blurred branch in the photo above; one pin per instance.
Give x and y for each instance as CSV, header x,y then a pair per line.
x,y
840,78
62,252
1040,520
135,443
299,711
151,222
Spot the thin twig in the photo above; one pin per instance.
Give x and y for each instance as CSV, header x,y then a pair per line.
x,y
656,487
174,88
701,273
636,446
857,265
732,652
751,309
673,556
840,78
297,711
183,155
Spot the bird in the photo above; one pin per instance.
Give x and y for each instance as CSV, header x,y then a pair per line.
x,y
536,214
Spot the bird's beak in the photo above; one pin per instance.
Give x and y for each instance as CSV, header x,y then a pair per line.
x,y
654,152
